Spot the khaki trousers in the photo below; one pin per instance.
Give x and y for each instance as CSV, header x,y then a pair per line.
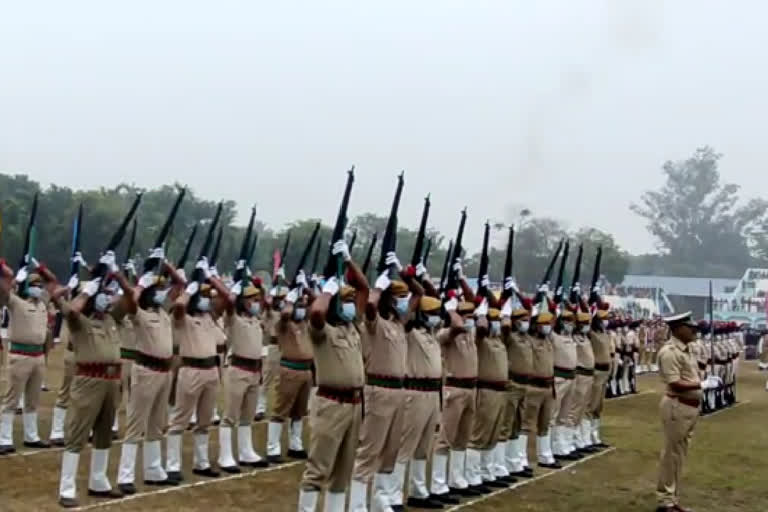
x,y
597,399
334,430
93,404
488,419
539,404
271,373
421,414
513,411
175,365
125,381
582,396
62,398
242,396
456,420
565,396
195,392
25,376
147,410
678,421
381,432
293,389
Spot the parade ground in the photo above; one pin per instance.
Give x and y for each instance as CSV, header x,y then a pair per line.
x,y
725,469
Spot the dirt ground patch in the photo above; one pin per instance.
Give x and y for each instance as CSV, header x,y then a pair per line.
x,y
724,472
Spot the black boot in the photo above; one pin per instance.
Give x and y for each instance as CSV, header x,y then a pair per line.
x,y
207,472
446,499
426,503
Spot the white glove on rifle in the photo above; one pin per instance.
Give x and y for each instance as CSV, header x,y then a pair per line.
x,y
147,280
192,288
421,270
383,282
452,305
157,252
213,271
292,296
331,286
91,287
202,264
237,288
341,248
301,279
458,268
22,274
108,259
73,282
506,310
31,263
281,272
510,284
240,264
484,281
392,261
129,267
78,258
482,309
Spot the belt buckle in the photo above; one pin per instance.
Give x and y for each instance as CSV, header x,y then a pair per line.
x,y
111,370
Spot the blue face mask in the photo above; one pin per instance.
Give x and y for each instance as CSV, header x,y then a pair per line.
x,y
35,292
101,302
204,304
469,323
299,314
495,328
255,309
433,321
401,305
348,311
160,297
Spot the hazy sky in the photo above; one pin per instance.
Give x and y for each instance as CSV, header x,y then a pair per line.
x,y
567,107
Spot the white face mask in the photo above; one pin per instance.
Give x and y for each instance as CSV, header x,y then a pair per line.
x,y
401,305
495,328
469,323
348,311
255,308
584,329
567,328
299,314
35,292
101,302
160,297
433,321
523,326
204,304
545,329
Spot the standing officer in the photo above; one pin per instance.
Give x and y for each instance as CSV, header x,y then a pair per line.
x,y
679,407
336,408
566,359
27,331
578,422
602,348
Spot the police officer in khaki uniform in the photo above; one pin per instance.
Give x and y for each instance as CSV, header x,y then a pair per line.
x,y
566,359
95,394
147,411
679,407
198,379
578,423
62,398
27,332
423,384
602,348
295,382
271,350
336,411
243,376
385,352
491,399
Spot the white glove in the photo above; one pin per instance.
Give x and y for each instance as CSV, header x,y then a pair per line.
x,y
301,279
78,258
181,273
73,282
452,305
382,282
281,272
108,259
213,271
314,279
237,288
129,267
33,263
482,309
157,252
202,264
273,291
510,284
506,310
331,286
458,268
240,264
192,288
147,280
484,281
22,274
392,261
341,248
292,296
91,287
544,288
421,270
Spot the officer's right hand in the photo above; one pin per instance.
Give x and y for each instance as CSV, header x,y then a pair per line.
x,y
331,286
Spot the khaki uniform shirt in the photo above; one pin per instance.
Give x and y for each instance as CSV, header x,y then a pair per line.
x,y
601,347
424,356
245,335
29,320
492,359
153,332
565,355
584,356
293,340
676,362
127,333
460,353
386,350
95,340
197,336
543,356
520,354
338,356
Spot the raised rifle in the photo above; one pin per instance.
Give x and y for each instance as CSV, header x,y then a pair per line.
x,y
152,263
316,257
369,254
540,293
131,242
558,299
427,251
305,255
198,275
352,241
418,248
187,248
74,269
29,236
279,258
575,297
241,268
453,278
482,275
216,248
446,267
508,263
389,242
334,266
594,292
100,270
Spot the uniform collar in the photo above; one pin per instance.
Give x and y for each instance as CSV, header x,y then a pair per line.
x,y
679,344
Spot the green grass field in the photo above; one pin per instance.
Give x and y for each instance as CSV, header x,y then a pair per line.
x,y
724,471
